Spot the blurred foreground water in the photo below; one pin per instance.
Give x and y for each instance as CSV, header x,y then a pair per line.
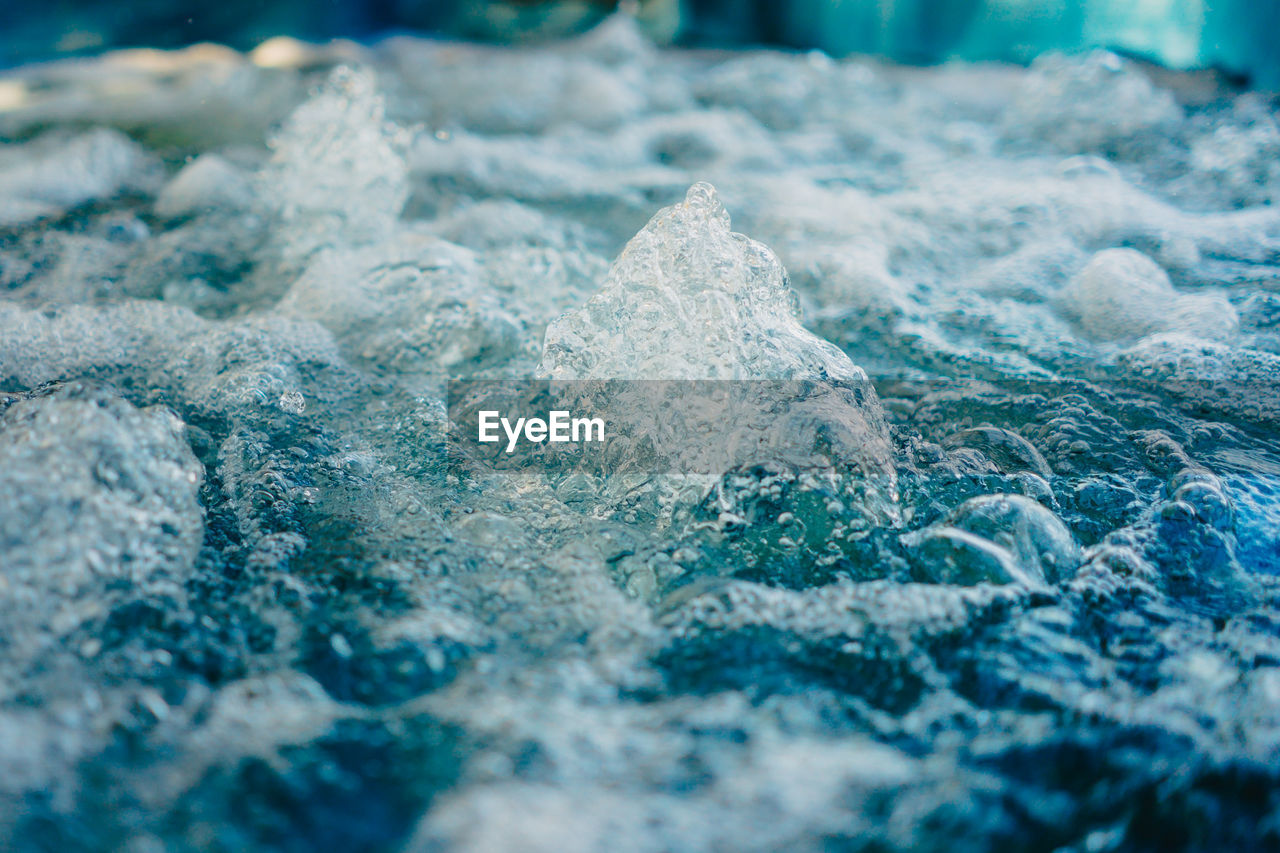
x,y
1022,593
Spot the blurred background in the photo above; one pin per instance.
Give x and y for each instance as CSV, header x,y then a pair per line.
x,y
1240,37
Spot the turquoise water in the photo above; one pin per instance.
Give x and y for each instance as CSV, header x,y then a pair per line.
x,y
978,549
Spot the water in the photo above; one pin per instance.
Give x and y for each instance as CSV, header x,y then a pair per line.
x,y
1018,590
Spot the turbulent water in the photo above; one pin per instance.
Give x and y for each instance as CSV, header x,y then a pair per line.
x,y
1030,602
